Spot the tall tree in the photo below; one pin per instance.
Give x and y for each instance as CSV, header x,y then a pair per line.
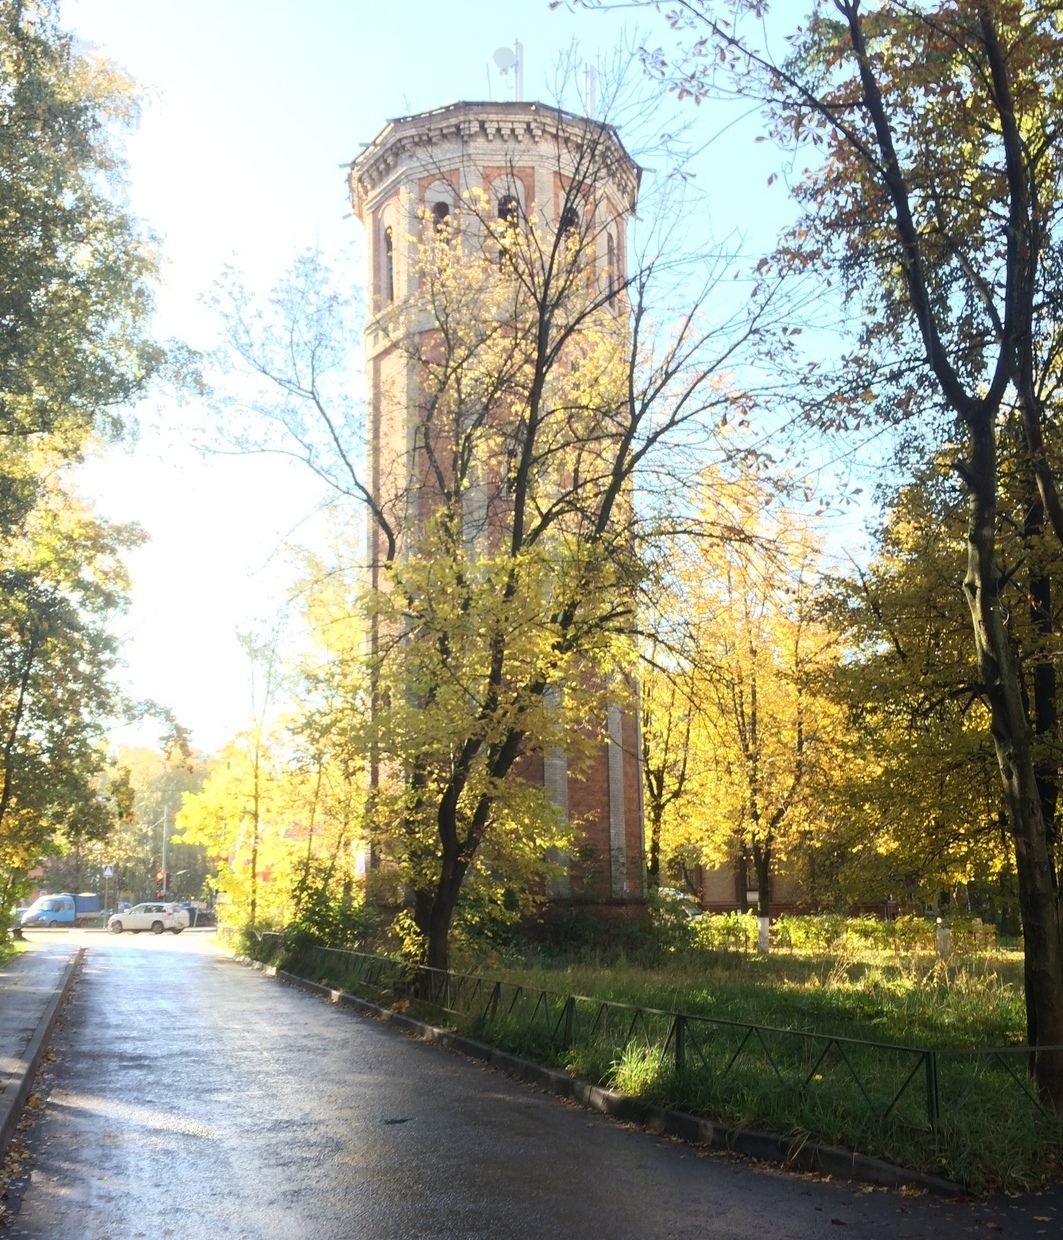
x,y
668,709
281,809
75,298
158,778
917,800
61,583
75,267
764,738
545,390
536,414
330,727
936,200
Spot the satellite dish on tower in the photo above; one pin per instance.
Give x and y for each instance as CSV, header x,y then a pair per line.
x,y
507,58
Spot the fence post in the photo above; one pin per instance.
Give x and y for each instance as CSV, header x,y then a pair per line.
x,y
933,1093
492,1006
680,1032
570,1016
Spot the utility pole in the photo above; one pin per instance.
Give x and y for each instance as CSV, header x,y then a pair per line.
x,y
165,867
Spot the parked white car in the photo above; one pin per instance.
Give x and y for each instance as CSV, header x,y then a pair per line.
x,y
154,917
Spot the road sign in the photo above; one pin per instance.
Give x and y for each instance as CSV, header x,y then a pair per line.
x,y
108,871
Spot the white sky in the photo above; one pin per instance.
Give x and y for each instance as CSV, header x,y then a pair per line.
x,y
254,105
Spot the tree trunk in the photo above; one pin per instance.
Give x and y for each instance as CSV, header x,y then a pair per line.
x,y
1045,688
762,864
762,867
434,914
653,864
742,878
1012,740
434,910
9,744
437,953
1043,677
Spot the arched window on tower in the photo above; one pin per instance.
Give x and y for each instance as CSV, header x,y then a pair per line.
x,y
389,264
437,208
509,210
569,222
508,219
610,269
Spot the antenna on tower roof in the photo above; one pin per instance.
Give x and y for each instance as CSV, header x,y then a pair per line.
x,y
507,58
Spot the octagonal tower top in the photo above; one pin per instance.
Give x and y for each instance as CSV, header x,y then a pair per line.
x,y
528,159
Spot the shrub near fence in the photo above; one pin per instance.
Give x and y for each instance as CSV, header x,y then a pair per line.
x,y
823,932
967,1115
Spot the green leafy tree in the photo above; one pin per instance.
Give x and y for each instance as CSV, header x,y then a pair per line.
x,y
918,786
158,780
62,583
934,201
280,812
505,605
505,619
762,739
75,269
75,298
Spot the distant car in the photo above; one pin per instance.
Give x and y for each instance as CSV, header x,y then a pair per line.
x,y
155,917
679,903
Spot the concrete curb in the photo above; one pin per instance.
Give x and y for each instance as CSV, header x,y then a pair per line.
x,y
13,1100
797,1154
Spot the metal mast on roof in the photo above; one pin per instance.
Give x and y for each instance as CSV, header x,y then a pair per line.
x,y
512,58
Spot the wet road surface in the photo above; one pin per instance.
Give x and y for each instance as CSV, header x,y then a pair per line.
x,y
195,1098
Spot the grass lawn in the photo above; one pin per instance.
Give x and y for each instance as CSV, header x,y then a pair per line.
x,y
991,1134
915,1000
9,947
988,1134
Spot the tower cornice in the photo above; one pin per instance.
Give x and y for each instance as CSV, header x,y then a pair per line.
x,y
511,126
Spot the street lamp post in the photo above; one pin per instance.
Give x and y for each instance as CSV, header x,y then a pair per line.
x,y
165,822
165,868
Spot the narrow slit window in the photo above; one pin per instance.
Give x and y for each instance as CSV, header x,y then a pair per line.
x,y
569,220
610,269
508,218
389,264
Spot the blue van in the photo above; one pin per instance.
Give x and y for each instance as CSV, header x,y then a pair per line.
x,y
62,910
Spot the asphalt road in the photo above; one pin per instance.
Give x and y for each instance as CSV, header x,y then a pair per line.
x,y
194,1098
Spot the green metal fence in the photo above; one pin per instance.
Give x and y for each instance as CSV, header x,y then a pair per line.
x,y
699,1058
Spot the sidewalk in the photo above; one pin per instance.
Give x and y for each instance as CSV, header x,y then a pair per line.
x,y
32,986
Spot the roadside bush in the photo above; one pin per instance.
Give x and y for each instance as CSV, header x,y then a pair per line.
x,y
868,933
820,933
335,919
911,934
969,936
834,932
673,916
724,932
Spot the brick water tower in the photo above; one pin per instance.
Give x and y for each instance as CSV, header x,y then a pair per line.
x,y
520,160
